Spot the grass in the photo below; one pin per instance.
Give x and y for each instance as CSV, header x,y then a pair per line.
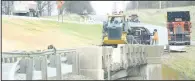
x,y
25,30
68,17
182,62
86,31
89,32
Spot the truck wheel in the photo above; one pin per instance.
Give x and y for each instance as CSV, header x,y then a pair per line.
x,y
189,43
27,14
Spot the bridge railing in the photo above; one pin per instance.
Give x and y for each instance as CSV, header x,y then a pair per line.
x,y
93,67
27,62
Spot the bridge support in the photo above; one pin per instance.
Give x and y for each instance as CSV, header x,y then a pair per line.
x,y
154,67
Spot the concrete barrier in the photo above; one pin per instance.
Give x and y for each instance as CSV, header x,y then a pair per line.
x,y
153,68
90,62
135,61
32,62
142,62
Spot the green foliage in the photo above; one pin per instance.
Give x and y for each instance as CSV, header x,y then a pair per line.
x,y
156,4
78,6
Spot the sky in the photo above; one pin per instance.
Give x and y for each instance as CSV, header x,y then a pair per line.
x,y
100,7
104,7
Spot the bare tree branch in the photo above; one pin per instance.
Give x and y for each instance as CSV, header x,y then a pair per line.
x,y
41,5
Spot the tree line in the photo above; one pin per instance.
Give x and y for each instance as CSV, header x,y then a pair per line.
x,y
76,7
157,4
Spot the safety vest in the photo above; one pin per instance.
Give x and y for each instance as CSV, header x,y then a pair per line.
x,y
155,36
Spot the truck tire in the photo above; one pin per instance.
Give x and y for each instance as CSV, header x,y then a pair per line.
x,y
188,43
27,14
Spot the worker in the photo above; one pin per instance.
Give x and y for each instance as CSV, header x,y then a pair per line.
x,y
130,37
121,13
155,37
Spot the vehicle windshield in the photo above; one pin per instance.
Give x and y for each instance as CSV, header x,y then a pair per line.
x,y
133,17
118,19
178,16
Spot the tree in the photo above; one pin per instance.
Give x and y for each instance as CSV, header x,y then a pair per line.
x,y
155,4
50,7
40,6
7,7
78,6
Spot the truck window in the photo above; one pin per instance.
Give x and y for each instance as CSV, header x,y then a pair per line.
x,y
178,16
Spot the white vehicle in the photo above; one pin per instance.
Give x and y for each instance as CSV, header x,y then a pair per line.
x,y
25,8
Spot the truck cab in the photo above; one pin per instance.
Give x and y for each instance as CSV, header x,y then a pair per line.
x,y
25,8
179,27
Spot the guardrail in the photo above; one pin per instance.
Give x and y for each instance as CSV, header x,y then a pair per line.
x,y
134,61
131,57
27,62
10,57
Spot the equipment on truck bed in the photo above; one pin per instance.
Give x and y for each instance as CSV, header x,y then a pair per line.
x,y
134,18
179,27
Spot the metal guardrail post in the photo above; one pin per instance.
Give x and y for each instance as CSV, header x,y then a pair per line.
x,y
5,60
23,64
37,63
109,63
10,60
53,61
15,59
29,73
58,68
44,67
26,62
75,63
